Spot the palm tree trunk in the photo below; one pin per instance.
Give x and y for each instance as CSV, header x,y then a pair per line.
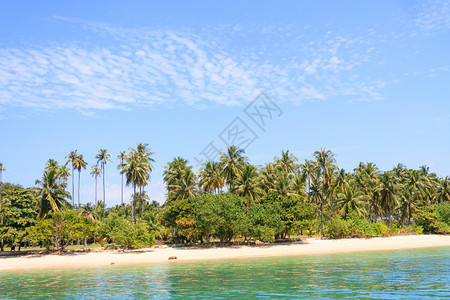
x,y
141,205
321,205
96,202
73,186
121,193
132,204
104,200
79,173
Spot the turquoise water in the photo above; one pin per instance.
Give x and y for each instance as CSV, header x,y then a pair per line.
x,y
423,273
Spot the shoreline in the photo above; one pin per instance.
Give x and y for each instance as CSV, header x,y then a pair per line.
x,y
308,246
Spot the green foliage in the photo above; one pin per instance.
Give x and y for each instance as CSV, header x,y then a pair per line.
x,y
434,218
62,228
354,226
19,214
120,232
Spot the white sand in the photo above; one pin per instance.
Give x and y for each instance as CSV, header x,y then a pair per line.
x,y
161,255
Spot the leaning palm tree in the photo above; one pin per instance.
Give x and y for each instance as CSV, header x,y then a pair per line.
x,y
79,164
211,177
103,157
233,161
95,172
308,170
52,193
72,157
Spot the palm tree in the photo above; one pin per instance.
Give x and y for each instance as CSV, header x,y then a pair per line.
x,y
308,170
232,162
267,178
103,158
443,190
174,173
211,179
72,157
326,163
121,157
137,168
286,162
79,164
95,172
246,185
185,187
387,192
352,201
52,193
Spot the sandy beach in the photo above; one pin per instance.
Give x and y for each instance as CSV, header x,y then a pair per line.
x,y
161,255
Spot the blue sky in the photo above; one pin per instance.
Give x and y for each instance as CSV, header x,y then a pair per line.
x,y
366,79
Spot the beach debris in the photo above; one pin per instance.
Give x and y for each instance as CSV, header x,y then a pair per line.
x,y
173,257
112,263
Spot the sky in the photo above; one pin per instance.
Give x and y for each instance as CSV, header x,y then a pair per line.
x,y
369,80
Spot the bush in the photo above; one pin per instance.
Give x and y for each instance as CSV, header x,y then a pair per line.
x,y
121,232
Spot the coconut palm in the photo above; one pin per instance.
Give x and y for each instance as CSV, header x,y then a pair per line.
x,y
72,157
307,170
232,162
79,164
185,187
351,200
95,172
52,193
174,173
211,179
267,178
387,189
246,183
286,162
103,157
443,190
121,158
326,164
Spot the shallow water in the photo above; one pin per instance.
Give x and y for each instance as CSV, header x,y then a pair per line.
x,y
421,273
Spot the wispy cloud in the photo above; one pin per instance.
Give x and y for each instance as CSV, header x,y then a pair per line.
x,y
434,15
154,67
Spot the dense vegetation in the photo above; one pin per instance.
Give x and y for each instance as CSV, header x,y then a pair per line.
x,y
227,200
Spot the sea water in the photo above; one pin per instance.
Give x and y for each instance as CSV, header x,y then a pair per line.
x,y
408,274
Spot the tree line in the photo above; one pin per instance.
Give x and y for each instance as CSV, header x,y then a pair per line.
x,y
228,199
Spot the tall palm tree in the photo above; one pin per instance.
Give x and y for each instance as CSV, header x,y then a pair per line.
x,y
72,157
95,172
233,161
211,177
52,193
79,164
326,163
121,158
103,157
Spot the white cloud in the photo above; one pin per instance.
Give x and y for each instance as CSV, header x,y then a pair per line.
x,y
158,67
